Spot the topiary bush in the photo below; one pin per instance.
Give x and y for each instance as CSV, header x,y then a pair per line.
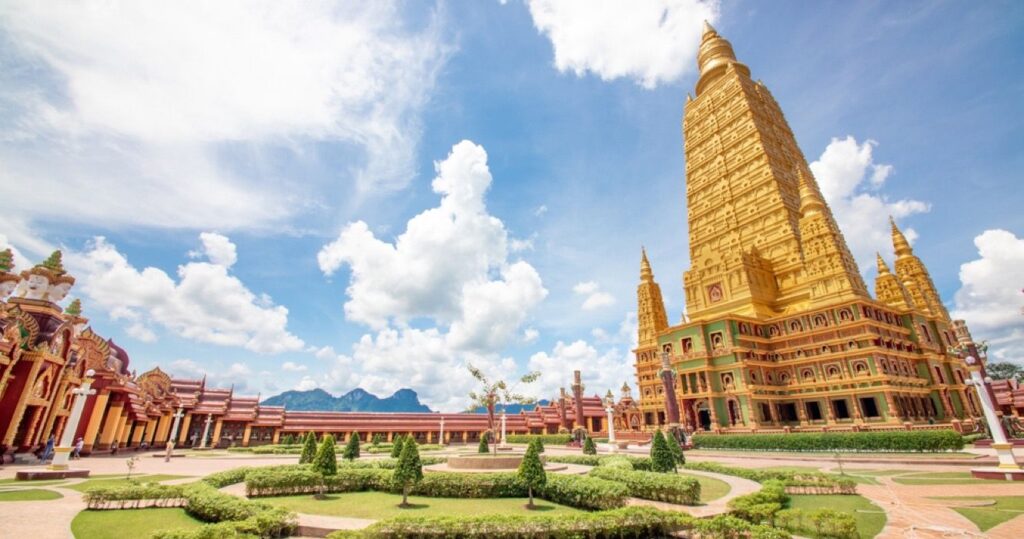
x,y
531,471
677,450
588,446
555,439
662,460
903,441
308,449
409,471
483,447
351,451
671,488
796,482
396,446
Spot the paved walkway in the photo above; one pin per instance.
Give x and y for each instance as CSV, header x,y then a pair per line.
x,y
737,487
43,519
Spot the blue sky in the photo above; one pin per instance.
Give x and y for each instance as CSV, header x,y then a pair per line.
x,y
275,132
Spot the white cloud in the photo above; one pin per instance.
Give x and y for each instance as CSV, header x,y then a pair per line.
x,y
541,210
139,108
307,383
849,179
990,298
651,42
236,375
600,372
218,248
594,297
517,245
291,366
530,335
443,266
205,303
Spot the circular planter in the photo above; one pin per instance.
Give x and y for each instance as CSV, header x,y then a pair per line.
x,y
485,462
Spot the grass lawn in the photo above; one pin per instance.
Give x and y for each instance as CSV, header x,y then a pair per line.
x,y
710,488
4,483
32,494
989,516
380,505
116,524
939,478
870,518
119,480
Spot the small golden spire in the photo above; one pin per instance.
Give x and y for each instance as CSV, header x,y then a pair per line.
x,y
810,200
883,269
714,50
708,29
645,266
899,241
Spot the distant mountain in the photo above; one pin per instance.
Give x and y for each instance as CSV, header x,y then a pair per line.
x,y
511,408
357,400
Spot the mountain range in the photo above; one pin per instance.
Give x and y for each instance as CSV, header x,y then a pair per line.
x,y
357,400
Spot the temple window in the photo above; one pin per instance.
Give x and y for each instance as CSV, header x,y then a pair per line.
x,y
687,345
845,315
832,371
795,326
716,340
819,320
773,331
869,406
808,374
860,367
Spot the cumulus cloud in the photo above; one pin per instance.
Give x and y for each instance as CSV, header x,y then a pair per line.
x,y
306,383
291,366
990,297
530,335
217,248
450,268
136,107
652,42
850,181
593,296
235,375
203,302
600,371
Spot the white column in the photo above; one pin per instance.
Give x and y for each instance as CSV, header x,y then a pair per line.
x,y
169,450
611,425
441,439
67,440
1004,449
206,431
503,428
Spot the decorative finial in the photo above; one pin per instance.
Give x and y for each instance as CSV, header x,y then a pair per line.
x,y
645,266
883,269
899,241
708,29
54,263
74,308
810,200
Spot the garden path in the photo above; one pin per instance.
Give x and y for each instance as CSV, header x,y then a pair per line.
x,y
43,518
737,487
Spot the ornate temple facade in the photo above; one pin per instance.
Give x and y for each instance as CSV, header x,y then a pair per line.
x,y
782,331
47,352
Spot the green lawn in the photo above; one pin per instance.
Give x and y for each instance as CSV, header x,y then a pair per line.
x,y
870,518
117,524
381,505
939,478
989,516
19,483
119,480
710,488
32,494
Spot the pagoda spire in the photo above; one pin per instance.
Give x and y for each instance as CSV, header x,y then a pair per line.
x,y
651,317
715,52
888,288
810,199
899,241
883,268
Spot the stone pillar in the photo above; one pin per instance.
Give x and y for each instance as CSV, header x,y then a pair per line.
x,y
206,431
63,451
276,439
577,394
611,425
714,415
441,438
163,426
122,433
503,442
668,381
215,441
246,434
893,413
140,432
112,425
801,412
183,433
99,410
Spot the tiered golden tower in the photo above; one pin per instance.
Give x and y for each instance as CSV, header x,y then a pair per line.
x,y
782,329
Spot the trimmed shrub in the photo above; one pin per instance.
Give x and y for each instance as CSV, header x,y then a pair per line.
x,y
661,456
396,446
308,449
135,496
531,471
818,523
671,488
351,451
904,441
795,482
483,447
761,506
326,462
555,439
377,439
538,443
677,450
409,471
287,439
638,463
584,492
588,447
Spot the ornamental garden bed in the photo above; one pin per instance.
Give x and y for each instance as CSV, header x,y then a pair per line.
x,y
896,441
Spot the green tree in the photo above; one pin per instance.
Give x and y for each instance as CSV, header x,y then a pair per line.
x,y
1005,371
396,446
409,470
351,451
537,442
498,392
588,446
661,456
287,439
377,439
531,472
677,450
483,447
308,449
325,463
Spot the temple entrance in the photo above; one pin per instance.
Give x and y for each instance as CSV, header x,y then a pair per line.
x,y
703,416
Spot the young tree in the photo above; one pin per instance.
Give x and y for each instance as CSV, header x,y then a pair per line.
x,y
493,393
588,446
661,456
287,439
483,447
409,470
325,463
396,446
531,471
539,443
351,451
308,449
677,450
376,440
1005,371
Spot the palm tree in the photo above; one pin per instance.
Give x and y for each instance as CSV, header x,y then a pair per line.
x,y
493,394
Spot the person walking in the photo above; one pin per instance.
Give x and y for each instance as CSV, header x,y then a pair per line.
x,y
76,453
113,448
48,450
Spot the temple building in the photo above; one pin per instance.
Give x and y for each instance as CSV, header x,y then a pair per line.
x,y
47,352
782,332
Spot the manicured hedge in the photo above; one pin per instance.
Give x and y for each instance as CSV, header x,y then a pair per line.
x,y
135,496
794,481
671,488
818,523
554,439
905,441
577,491
386,448
616,523
639,463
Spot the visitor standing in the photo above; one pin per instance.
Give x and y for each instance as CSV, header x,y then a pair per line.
x,y
113,448
79,444
48,450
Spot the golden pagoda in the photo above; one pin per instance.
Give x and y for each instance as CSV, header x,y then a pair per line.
x,y
782,332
